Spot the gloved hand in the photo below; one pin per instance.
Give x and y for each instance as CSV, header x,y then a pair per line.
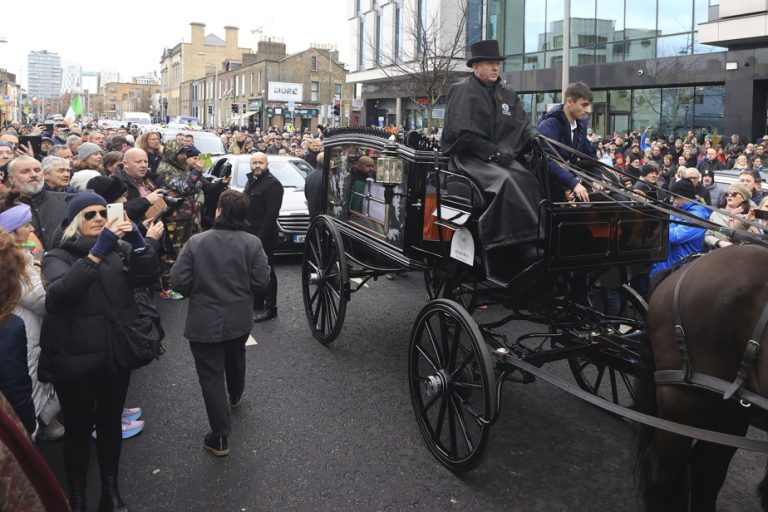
x,y
504,157
135,239
104,243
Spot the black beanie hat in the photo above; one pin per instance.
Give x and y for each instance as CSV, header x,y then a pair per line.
x,y
80,201
108,187
684,188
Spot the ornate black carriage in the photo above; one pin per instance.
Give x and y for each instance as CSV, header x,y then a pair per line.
x,y
411,211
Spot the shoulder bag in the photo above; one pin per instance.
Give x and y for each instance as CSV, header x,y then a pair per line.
x,y
137,342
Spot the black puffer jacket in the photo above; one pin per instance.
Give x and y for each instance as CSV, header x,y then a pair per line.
x,y
76,339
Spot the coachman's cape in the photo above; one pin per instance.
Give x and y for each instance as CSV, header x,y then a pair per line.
x,y
479,121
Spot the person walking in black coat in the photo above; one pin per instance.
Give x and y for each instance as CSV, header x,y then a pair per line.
x,y
96,262
265,193
220,305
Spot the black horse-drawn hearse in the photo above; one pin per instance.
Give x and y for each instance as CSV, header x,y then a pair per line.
x,y
415,211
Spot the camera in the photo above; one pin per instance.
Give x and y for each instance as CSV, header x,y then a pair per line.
x,y
173,202
226,170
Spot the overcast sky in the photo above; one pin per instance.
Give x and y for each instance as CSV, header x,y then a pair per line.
x,y
130,37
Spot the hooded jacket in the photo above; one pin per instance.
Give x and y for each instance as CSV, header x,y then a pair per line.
x,y
169,167
683,240
555,125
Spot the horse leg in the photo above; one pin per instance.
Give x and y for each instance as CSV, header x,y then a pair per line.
x,y
762,491
666,473
709,466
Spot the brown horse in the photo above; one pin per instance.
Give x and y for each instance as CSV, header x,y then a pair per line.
x,y
721,301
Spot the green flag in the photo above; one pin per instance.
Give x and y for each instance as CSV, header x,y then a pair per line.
x,y
76,107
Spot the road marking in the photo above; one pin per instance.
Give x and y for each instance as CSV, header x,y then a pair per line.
x,y
251,341
358,280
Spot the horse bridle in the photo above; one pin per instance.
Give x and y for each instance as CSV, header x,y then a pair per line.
x,y
686,376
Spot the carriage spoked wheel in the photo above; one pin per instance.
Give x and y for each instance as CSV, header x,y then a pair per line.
x,y
452,384
324,280
609,371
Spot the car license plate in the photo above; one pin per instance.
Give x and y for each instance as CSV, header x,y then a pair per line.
x,y
299,239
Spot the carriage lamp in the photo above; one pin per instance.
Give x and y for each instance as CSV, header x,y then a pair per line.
x,y
389,172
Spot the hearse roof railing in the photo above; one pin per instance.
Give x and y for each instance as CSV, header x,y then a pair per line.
x,y
413,144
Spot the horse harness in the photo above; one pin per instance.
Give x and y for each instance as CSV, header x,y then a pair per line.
x,y
686,376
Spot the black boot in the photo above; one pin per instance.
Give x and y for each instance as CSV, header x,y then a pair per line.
x,y
110,496
77,477
78,500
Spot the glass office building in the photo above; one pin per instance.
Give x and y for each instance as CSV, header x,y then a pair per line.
x,y
622,49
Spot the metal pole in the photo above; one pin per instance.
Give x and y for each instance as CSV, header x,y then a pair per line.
x,y
330,87
215,96
566,45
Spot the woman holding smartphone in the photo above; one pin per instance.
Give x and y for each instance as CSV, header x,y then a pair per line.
x,y
96,262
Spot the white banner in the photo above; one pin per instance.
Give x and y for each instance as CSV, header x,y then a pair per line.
x,y
284,91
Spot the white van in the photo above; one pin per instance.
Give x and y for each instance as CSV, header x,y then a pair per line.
x,y
142,119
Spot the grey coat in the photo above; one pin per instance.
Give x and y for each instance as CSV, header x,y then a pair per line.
x,y
220,270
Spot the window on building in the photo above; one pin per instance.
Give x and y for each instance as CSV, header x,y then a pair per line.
x,y
474,23
313,63
337,90
314,91
423,20
398,32
535,26
377,39
361,45
675,17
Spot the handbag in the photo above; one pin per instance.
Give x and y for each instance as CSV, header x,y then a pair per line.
x,y
137,341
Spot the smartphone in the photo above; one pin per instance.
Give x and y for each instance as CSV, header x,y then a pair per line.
x,y
761,214
35,140
115,211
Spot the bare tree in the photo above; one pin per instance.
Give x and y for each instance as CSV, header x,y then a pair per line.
x,y
429,56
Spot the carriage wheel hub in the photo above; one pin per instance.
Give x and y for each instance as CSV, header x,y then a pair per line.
x,y
435,384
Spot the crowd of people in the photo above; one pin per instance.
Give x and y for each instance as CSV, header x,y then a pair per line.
x,y
72,276
652,167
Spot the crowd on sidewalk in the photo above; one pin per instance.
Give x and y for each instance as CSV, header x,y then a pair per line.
x,y
75,281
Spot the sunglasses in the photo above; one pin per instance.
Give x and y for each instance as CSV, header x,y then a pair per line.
x,y
90,215
733,194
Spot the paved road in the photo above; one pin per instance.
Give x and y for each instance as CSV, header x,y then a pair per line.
x,y
332,429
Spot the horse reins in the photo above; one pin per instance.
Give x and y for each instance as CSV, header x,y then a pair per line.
x,y
688,377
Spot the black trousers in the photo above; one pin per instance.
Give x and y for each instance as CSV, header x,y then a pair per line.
x,y
217,364
95,401
268,298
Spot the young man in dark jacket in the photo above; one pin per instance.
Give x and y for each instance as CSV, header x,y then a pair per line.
x,y
567,123
265,193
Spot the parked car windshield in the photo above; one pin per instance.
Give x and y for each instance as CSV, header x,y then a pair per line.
x,y
286,171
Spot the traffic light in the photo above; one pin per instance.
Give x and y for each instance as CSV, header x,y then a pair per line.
x,y
235,108
336,107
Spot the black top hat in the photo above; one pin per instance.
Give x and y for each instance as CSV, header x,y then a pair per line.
x,y
484,50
